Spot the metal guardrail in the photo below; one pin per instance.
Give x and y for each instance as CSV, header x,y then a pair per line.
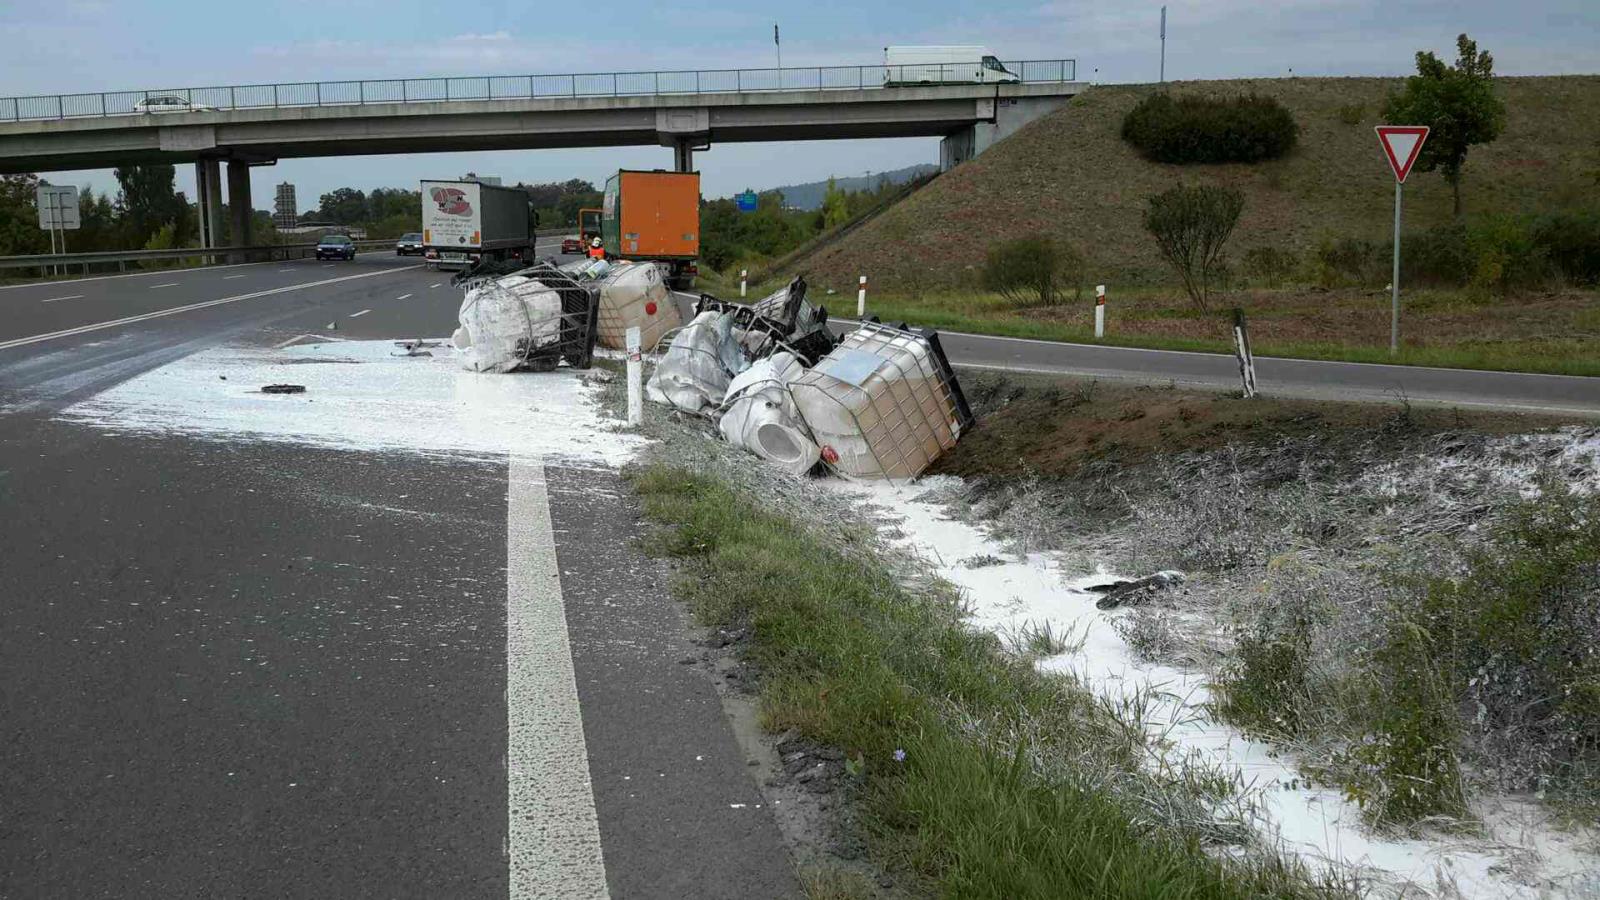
x,y
524,87
260,252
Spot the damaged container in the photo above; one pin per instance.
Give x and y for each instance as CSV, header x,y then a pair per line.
x,y
635,295
883,404
693,375
760,414
534,320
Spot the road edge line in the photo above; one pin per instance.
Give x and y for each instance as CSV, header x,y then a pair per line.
x,y
552,826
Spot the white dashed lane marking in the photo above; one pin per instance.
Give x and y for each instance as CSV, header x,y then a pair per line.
x,y
167,284
67,297
403,297
356,315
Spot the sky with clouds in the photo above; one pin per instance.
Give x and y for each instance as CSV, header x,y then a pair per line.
x,y
91,45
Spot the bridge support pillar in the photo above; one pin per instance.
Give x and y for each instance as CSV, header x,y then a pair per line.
x,y
208,199
239,211
683,156
998,119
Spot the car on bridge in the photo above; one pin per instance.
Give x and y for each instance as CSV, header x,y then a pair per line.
x,y
409,244
336,246
169,103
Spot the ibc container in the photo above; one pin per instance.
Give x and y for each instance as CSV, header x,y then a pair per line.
x,y
635,295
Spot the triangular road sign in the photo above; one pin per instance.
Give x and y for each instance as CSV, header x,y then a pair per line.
x,y
1402,144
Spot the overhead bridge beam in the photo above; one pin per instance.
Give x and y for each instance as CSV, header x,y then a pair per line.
x,y
681,122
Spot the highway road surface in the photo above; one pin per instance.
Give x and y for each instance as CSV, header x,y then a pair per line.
x,y
319,662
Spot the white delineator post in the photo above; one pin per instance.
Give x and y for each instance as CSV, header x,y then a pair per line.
x,y
635,377
1099,311
861,298
743,274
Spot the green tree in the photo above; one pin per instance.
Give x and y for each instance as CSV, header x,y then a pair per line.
x,y
147,201
19,218
1191,225
345,206
835,206
1457,103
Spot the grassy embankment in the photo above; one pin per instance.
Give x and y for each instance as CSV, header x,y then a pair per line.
x,y
1071,176
1013,784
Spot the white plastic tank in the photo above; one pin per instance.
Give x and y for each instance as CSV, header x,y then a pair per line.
x,y
878,405
635,295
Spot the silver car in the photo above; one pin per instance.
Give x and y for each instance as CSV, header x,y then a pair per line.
x,y
169,103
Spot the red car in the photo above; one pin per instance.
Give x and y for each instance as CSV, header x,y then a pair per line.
x,y
571,245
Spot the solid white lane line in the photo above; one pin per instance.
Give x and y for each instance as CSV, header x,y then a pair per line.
x,y
553,839
357,315
168,284
68,297
129,320
231,277
403,297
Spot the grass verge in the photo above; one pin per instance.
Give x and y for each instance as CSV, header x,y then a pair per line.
x,y
1011,784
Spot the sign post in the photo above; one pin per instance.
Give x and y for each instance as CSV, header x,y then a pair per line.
x,y
58,211
1401,144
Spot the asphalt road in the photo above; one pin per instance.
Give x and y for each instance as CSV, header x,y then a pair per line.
x,y
261,668
1557,394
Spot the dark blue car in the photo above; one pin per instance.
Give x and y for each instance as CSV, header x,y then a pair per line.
x,y
336,246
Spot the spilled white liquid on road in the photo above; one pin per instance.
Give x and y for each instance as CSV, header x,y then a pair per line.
x,y
1522,854
369,396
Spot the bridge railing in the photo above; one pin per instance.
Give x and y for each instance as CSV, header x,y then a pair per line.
x,y
524,87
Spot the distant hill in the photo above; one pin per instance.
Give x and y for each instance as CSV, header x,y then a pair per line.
x,y
1070,175
809,196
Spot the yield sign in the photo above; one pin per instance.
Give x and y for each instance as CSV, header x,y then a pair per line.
x,y
1402,144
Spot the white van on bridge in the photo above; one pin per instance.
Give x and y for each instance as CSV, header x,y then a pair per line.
x,y
944,65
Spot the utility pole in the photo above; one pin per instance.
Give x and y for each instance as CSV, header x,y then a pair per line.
x,y
778,46
1163,45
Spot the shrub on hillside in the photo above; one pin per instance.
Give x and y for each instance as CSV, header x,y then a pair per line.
x,y
1192,225
1571,243
1356,262
1209,129
1033,270
1270,266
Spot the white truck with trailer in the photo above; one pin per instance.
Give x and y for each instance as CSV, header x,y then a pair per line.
x,y
965,64
464,221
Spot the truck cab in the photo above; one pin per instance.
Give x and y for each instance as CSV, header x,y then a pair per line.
x,y
969,64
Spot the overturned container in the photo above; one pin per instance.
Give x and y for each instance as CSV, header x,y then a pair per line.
x,y
759,414
531,320
635,295
694,373
885,403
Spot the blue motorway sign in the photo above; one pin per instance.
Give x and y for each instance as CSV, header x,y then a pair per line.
x,y
746,201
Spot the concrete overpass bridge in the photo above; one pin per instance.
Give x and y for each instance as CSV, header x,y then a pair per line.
x,y
253,125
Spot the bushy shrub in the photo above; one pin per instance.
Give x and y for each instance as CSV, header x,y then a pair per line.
x,y
1437,256
1504,255
1353,262
1570,242
1515,638
1197,129
1351,114
1269,265
1034,270
1191,225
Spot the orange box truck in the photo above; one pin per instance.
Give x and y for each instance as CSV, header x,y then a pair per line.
x,y
654,216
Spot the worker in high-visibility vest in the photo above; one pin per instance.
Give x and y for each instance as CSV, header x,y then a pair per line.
x,y
596,251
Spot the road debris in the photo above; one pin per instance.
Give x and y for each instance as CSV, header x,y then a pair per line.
x,y
635,295
881,402
282,388
533,319
1131,593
